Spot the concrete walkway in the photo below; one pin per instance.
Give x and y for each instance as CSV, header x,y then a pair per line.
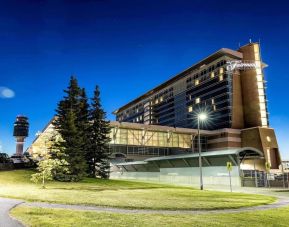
x,y
5,206
280,203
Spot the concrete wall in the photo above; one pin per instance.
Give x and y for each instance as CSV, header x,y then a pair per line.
x,y
263,139
217,175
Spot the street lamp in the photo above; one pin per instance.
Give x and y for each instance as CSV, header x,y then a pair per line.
x,y
201,117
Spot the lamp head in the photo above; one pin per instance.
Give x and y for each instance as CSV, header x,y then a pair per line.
x,y
202,116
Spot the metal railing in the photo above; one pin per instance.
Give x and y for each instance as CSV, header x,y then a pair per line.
x,y
255,178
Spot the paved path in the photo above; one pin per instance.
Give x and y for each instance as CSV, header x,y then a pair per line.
x,y
280,203
5,206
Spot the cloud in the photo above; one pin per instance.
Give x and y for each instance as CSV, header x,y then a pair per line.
x,y
6,93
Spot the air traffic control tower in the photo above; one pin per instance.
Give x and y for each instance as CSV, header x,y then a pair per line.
x,y
21,129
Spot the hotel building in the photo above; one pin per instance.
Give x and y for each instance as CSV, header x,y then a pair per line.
x,y
229,85
155,135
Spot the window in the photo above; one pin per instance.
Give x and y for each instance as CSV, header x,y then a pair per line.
x,y
263,113
262,106
261,98
213,101
261,91
259,77
268,138
259,71
221,77
264,122
212,75
260,85
214,107
256,52
197,82
268,155
221,70
190,109
198,100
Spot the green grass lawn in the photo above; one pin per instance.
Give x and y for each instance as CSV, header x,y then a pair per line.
x,y
125,194
60,217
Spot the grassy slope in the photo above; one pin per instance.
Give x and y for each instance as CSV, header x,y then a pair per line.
x,y
126,194
60,217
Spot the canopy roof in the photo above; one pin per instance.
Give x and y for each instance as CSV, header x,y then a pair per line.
x,y
212,158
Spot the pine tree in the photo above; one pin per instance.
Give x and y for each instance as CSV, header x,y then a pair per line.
x,y
69,123
83,123
98,153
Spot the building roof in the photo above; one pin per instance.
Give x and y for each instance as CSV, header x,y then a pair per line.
x,y
210,58
236,151
171,129
245,151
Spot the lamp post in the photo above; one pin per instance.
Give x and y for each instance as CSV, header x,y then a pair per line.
x,y
201,117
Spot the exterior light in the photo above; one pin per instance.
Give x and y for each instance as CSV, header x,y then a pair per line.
x,y
202,116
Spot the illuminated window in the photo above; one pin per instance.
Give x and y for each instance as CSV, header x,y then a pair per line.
x,y
268,138
190,109
221,77
262,106
268,155
260,85
213,101
264,122
258,64
261,91
259,78
261,98
214,107
221,70
156,101
212,74
256,52
263,113
161,99
256,48
197,82
198,100
259,71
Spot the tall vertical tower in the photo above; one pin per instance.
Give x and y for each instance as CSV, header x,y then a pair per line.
x,y
21,129
253,88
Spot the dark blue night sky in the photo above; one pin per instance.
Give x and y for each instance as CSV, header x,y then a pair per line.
x,y
128,47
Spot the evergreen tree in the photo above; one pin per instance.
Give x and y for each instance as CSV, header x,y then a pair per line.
x,y
98,153
68,123
83,123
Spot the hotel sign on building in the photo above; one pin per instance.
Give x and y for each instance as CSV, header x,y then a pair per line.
x,y
239,65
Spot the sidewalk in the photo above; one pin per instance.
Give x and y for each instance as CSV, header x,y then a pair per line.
x,y
5,206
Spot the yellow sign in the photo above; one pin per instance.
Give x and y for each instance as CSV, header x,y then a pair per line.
x,y
229,166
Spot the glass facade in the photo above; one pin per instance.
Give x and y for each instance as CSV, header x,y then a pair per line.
x,y
206,88
129,140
